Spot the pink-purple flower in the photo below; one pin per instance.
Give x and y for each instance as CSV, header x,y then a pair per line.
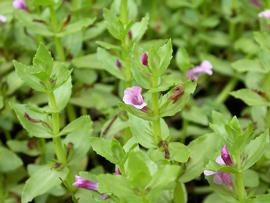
x,y
204,67
144,59
3,19
133,97
222,178
256,2
264,14
20,4
81,182
117,171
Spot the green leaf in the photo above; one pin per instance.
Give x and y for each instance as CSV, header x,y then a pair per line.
x,y
108,62
137,170
43,61
114,25
252,65
43,2
137,112
9,160
118,186
251,178
255,149
182,60
179,152
180,193
62,95
169,107
262,38
165,175
160,59
87,61
33,120
79,136
200,155
250,97
77,124
261,199
196,114
141,131
29,147
32,81
214,198
246,45
108,46
76,27
109,149
138,29
43,180
60,74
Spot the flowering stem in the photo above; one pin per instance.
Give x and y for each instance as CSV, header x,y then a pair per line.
x,y
239,181
57,41
226,91
59,148
155,100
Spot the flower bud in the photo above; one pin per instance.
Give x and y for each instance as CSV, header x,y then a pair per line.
x,y
226,156
81,182
130,36
144,59
118,64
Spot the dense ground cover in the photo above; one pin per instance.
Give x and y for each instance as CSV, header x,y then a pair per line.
x,y
134,101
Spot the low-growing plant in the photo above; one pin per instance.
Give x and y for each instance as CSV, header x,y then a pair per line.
x,y
130,101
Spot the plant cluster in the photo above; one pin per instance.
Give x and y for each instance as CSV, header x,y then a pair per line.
x,y
134,101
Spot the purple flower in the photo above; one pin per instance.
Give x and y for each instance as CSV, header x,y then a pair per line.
x,y
144,59
117,172
20,4
133,97
264,14
118,64
204,67
3,19
226,156
104,196
222,178
256,2
81,182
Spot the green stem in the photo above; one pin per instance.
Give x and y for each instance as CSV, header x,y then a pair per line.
x,y
57,41
184,129
226,91
7,135
71,112
203,190
59,148
156,121
239,181
42,146
2,188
